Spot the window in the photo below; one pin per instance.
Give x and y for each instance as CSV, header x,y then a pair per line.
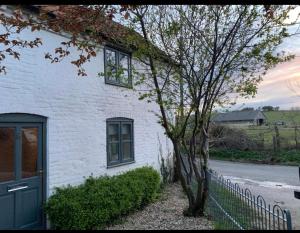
x,y
117,67
119,141
7,154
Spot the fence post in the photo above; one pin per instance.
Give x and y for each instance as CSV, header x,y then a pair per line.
x,y
274,144
277,137
288,219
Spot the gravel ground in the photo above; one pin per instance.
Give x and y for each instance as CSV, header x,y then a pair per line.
x,y
165,214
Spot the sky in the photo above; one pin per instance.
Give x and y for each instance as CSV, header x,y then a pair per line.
x,y
281,85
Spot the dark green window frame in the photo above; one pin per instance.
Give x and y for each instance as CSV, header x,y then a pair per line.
x,y
120,141
117,82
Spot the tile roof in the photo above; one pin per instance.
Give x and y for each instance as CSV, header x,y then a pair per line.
x,y
239,116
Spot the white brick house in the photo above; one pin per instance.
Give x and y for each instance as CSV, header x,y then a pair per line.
x,y
71,113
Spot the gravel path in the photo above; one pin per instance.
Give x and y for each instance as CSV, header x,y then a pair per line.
x,y
165,214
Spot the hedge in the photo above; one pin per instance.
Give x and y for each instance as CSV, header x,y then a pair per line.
x,y
100,201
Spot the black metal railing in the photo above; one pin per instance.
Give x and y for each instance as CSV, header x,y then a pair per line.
x,y
232,207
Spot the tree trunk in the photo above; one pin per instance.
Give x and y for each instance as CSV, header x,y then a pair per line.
x,y
205,155
197,200
198,208
176,175
296,137
183,180
176,170
277,138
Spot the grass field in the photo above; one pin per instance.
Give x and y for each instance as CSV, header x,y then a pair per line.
x,y
224,202
286,132
230,202
287,135
265,153
288,116
235,207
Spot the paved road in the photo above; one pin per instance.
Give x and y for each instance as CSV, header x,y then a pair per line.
x,y
274,182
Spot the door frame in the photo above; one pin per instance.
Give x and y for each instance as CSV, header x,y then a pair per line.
x,y
33,118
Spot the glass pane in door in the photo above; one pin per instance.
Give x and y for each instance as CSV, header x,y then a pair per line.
x,y
7,151
29,152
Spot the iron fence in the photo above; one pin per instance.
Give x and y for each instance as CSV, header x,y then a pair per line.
x,y
232,207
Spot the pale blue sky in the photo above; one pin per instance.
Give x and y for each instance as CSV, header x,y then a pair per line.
x,y
275,89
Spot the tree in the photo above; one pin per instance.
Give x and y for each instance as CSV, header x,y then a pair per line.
x,y
267,108
247,109
85,26
194,57
214,51
295,108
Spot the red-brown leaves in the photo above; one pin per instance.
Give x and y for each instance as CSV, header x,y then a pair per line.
x,y
269,11
126,15
90,24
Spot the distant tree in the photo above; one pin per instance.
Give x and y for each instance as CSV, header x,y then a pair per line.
x,y
267,108
247,109
295,108
276,108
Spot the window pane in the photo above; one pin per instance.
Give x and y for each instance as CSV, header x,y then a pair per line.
x,y
113,132
29,152
113,152
126,131
124,78
7,160
123,68
126,148
110,57
111,65
123,61
111,73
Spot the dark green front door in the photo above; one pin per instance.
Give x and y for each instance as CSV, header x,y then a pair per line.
x,y
21,194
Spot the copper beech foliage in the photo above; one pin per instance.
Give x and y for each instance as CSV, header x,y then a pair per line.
x,y
85,26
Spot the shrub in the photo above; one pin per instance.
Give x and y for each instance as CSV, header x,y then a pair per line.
x,y
233,138
233,154
101,201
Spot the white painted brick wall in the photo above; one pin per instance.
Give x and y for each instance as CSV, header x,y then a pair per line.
x,y
77,109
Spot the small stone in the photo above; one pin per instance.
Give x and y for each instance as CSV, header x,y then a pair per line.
x,y
165,214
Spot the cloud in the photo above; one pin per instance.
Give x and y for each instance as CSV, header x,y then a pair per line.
x,y
280,87
284,102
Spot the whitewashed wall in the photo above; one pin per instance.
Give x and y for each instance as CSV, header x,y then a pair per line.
x,y
77,109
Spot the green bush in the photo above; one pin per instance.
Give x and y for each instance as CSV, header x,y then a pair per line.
x,y
291,157
101,201
233,154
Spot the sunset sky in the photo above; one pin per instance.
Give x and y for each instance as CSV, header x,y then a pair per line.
x,y
276,87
